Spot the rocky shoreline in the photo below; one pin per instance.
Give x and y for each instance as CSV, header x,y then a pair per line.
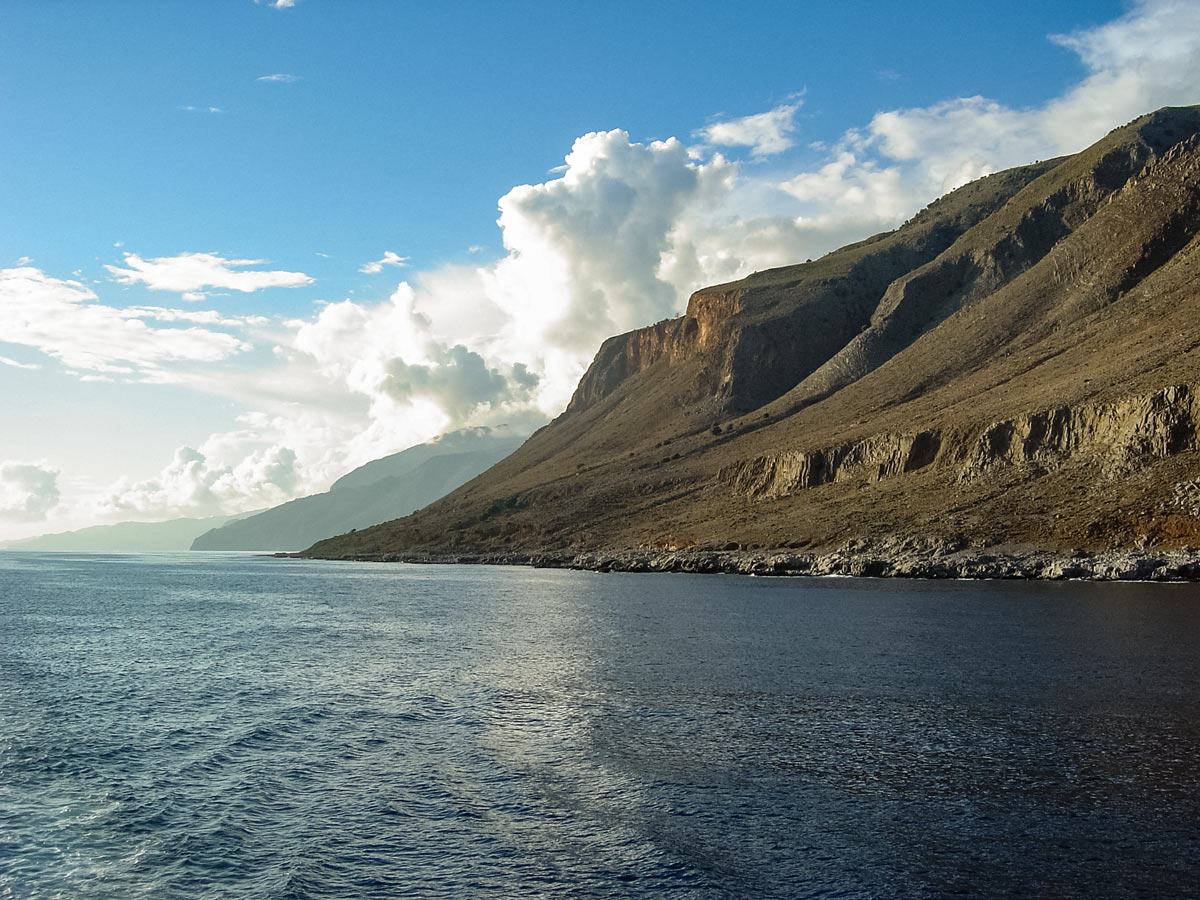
x,y
906,560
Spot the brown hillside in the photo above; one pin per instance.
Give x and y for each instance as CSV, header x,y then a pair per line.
x,y
1016,364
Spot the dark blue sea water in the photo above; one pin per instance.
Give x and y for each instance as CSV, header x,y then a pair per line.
x,y
232,726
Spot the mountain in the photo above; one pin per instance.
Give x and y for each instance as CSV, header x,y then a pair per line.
x,y
1018,365
125,537
375,492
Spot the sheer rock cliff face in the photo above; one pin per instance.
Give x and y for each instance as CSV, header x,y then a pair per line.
x,y
757,338
1020,362
1115,438
846,326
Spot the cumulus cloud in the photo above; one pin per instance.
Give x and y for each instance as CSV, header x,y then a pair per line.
x,y
192,272
192,485
457,381
584,248
412,385
279,77
764,133
389,259
64,320
28,491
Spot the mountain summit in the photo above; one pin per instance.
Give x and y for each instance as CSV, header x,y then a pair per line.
x,y
1016,365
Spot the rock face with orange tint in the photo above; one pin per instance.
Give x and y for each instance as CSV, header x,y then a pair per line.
x,y
1016,365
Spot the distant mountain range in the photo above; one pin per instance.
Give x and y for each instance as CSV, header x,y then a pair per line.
x,y
124,537
380,490
1019,364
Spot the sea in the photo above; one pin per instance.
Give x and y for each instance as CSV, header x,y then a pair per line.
x,y
239,726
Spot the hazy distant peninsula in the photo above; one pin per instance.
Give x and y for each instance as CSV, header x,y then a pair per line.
x,y
125,537
1018,365
375,492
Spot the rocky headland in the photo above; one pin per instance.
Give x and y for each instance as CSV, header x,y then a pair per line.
x,y
1008,385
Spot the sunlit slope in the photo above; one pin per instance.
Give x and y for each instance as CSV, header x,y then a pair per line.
x,y
1017,364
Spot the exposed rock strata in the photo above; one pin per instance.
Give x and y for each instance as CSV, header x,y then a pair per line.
x,y
1115,436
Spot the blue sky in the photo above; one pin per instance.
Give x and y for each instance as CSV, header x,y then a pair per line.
x,y
403,126
250,245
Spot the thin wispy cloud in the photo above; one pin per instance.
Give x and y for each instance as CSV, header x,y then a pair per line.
x,y
764,133
64,320
279,78
5,361
389,259
205,109
191,273
277,4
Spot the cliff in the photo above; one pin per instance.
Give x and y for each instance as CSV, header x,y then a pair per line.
x,y
1017,364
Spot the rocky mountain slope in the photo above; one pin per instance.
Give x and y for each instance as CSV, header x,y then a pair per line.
x,y
372,493
1017,365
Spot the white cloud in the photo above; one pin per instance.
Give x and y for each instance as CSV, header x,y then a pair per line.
x,y
456,380
1148,58
278,4
193,272
411,385
28,491
199,316
64,320
207,109
279,77
389,259
584,249
764,133
192,485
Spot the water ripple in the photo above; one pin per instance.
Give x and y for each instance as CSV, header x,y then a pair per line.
x,y
174,726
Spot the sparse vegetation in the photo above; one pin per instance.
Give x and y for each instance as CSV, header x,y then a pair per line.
x,y
1067,267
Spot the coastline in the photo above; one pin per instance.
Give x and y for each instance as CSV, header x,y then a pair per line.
x,y
928,562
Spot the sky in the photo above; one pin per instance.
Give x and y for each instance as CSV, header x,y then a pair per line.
x,y
247,246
